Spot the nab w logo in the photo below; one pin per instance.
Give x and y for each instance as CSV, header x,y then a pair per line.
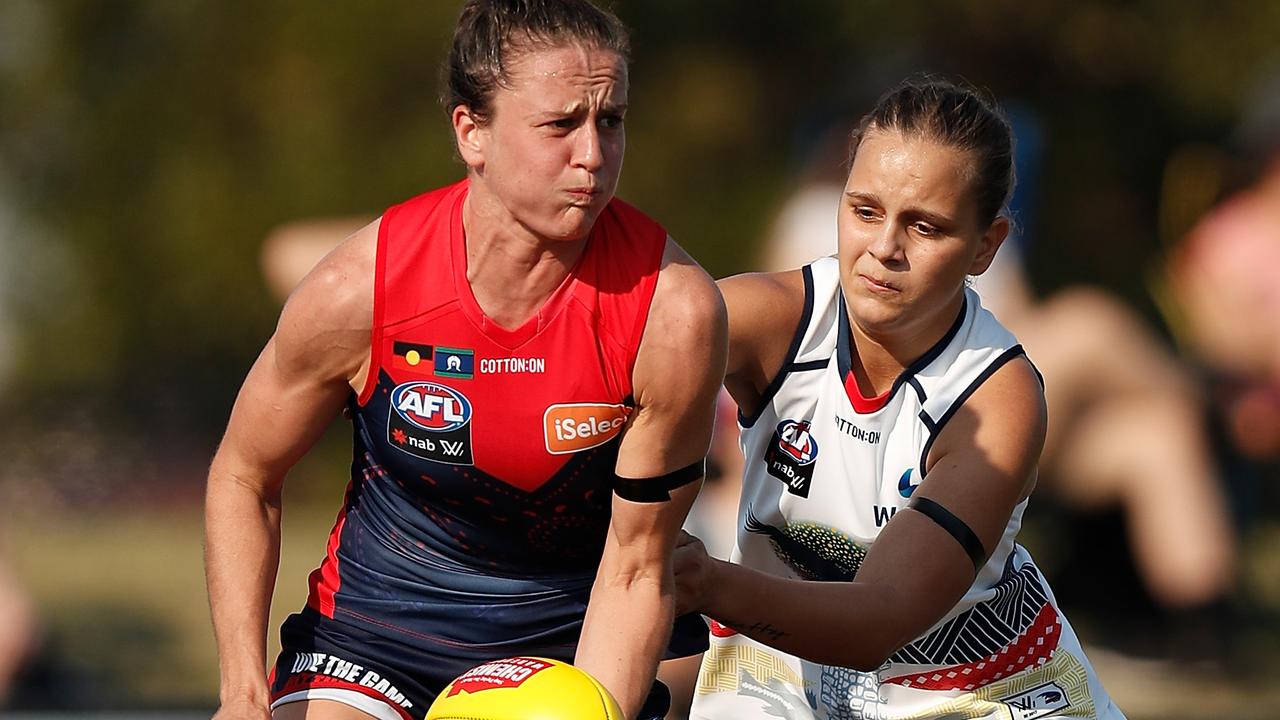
x,y
452,449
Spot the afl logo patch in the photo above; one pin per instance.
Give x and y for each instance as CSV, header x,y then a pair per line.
x,y
430,406
794,440
431,421
791,454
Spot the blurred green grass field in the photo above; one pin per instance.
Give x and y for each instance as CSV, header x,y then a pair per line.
x,y
123,606
126,623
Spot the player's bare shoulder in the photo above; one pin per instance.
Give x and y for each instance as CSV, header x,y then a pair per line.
x,y
1002,425
687,320
764,311
678,368
326,323
686,295
764,302
1007,407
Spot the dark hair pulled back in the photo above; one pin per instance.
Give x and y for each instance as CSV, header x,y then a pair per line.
x,y
956,116
489,33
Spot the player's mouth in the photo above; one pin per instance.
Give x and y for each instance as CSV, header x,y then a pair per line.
x,y
877,286
584,194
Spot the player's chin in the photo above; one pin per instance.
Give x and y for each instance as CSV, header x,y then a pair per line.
x,y
574,223
876,314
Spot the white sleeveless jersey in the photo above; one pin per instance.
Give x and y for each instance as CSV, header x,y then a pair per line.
x,y
825,471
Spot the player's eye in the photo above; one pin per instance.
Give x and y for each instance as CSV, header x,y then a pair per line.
x,y
924,229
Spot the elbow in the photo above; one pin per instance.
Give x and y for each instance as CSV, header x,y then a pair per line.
x,y
231,480
868,645
884,627
866,659
863,655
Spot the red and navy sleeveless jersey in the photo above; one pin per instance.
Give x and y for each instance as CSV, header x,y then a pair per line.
x,y
484,456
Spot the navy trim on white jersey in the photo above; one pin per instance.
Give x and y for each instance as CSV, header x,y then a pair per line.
x,y
788,363
844,348
811,365
915,385
935,428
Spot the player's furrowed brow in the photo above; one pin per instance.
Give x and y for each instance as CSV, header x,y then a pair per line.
x,y
931,217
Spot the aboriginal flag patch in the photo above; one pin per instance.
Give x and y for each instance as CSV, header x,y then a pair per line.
x,y
411,356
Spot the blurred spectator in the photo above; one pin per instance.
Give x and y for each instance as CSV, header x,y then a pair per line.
x,y
292,249
17,631
1225,279
18,635
1126,419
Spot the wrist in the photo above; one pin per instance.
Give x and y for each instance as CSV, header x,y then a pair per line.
x,y
249,692
716,574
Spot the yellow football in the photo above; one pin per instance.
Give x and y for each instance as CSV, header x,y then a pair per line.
x,y
524,688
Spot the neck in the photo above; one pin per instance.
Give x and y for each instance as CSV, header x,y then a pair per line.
x,y
880,355
511,269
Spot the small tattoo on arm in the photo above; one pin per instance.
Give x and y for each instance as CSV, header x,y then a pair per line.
x,y
764,630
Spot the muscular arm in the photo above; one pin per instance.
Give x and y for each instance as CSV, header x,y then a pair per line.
x,y
981,466
294,389
676,377
764,310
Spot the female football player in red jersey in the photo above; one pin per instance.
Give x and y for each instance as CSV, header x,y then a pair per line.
x,y
531,368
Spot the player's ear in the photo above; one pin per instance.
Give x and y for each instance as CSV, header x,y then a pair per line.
x,y
991,241
469,134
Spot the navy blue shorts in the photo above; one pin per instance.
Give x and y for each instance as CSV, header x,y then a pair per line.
x,y
323,658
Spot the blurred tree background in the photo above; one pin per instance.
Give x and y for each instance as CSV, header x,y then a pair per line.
x,y
147,148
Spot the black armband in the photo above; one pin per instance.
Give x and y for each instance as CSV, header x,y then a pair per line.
x,y
658,489
954,527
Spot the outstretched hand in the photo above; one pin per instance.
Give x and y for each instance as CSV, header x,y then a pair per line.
x,y
692,571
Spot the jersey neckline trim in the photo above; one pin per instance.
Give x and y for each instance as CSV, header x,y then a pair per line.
x,y
509,338
844,358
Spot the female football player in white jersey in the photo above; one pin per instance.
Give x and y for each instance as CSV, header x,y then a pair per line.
x,y
891,429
